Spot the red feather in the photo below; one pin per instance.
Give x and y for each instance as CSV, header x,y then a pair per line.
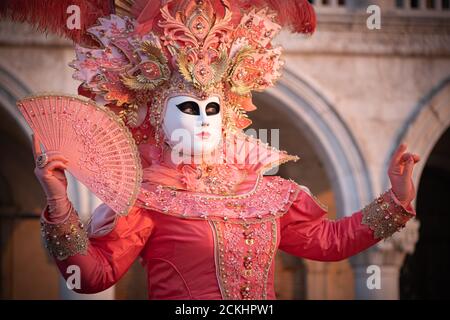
x,y
297,15
51,15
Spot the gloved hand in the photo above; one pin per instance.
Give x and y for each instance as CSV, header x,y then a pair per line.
x,y
400,175
53,180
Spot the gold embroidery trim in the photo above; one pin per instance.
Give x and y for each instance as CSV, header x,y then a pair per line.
x,y
246,287
384,216
65,239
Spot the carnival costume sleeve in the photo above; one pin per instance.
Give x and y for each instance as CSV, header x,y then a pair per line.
x,y
306,231
104,249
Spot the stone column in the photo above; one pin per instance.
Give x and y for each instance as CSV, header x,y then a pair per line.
x,y
317,286
387,257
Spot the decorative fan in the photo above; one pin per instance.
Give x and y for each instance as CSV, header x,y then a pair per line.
x,y
101,151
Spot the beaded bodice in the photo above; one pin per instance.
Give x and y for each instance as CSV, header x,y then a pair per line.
x,y
243,228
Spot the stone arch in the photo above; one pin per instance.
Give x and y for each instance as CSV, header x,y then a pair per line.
x,y
20,201
427,132
331,138
424,126
12,89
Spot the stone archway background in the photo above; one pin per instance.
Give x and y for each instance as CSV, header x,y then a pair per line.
x,y
424,270
426,124
20,204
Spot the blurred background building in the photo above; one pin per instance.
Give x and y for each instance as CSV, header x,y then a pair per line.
x,y
348,97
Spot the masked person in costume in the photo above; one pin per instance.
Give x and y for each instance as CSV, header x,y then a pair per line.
x,y
206,221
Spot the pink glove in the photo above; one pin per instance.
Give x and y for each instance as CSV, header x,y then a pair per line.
x,y
54,182
400,175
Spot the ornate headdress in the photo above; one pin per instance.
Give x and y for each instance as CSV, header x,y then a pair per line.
x,y
140,52
190,47
134,55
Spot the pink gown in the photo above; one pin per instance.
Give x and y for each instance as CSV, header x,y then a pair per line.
x,y
191,256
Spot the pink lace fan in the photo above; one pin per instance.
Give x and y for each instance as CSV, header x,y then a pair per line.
x,y
101,151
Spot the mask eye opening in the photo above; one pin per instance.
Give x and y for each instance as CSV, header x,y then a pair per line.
x,y
189,107
212,108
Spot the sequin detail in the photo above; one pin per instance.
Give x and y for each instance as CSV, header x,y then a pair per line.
x,y
384,216
270,198
65,239
244,255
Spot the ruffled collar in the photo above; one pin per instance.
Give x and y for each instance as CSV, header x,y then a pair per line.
x,y
233,169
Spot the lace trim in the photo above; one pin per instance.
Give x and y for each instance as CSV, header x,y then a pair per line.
x,y
384,216
65,239
271,198
244,255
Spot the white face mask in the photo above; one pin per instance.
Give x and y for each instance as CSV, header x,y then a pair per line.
x,y
192,126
